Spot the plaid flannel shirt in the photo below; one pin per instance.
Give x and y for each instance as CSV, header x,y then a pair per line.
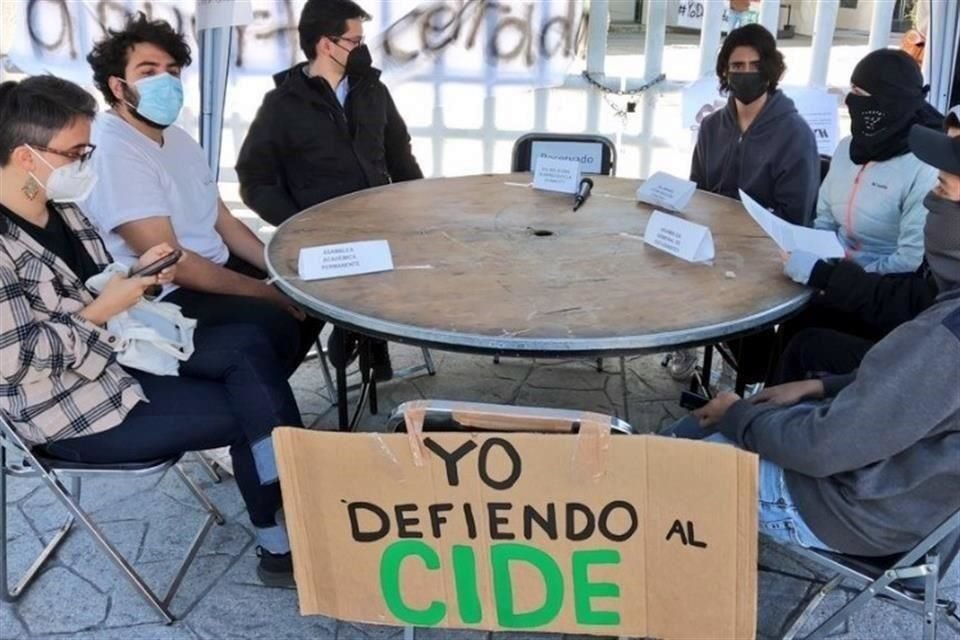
x,y
58,372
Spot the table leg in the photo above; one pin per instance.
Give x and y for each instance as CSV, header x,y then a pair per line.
x,y
343,411
707,366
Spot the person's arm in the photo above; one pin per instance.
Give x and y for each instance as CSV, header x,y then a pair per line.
x,y
884,301
797,181
396,141
868,420
194,271
238,237
259,167
824,218
909,253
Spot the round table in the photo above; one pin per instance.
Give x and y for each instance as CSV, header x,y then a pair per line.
x,y
486,264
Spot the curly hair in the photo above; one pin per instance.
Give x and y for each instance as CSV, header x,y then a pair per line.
x,y
110,56
36,109
772,66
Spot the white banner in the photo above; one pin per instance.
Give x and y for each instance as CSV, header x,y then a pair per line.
x,y
517,42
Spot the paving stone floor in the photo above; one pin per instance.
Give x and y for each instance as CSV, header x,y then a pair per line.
x,y
82,596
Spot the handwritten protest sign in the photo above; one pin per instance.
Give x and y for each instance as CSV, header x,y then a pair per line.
x,y
523,531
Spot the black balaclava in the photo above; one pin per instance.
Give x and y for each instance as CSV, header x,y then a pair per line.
x,y
880,122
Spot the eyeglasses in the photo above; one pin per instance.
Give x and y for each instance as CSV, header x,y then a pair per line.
x,y
82,155
354,41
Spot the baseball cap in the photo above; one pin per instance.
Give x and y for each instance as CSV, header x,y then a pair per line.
x,y
935,148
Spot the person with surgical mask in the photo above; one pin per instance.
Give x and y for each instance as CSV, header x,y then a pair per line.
x,y
872,197
328,129
161,189
758,143
61,386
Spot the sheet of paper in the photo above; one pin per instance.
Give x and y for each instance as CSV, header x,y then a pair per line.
x,y
681,238
791,237
348,259
667,191
557,175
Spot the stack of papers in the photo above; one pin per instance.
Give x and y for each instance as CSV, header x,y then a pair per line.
x,y
791,237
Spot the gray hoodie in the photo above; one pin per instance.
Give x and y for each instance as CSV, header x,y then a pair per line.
x,y
876,468
775,161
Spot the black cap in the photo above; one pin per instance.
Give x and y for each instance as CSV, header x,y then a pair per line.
x,y
936,149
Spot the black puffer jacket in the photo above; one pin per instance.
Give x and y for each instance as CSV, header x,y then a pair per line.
x,y
304,148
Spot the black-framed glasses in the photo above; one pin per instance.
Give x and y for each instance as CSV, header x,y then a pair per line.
x,y
82,154
356,42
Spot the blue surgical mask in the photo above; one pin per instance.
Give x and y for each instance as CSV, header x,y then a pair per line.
x,y
161,98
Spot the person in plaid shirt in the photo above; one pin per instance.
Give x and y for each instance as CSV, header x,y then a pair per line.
x,y
60,385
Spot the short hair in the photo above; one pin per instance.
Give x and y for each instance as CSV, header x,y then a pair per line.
x,y
35,109
110,56
772,66
326,18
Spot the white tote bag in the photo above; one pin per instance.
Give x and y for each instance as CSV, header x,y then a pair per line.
x,y
152,336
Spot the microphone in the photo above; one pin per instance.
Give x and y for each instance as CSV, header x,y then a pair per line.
x,y
583,193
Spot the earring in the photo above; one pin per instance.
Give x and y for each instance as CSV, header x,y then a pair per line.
x,y
31,188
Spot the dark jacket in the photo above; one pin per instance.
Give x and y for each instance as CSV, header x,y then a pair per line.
x,y
882,301
876,468
304,148
775,161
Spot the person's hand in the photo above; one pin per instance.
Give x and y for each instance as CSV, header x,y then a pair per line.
x,y
712,412
276,296
153,254
798,266
791,393
118,295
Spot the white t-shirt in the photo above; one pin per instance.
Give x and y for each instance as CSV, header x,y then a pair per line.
x,y
137,179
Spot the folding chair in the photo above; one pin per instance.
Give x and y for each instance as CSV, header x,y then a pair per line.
x,y
522,160
51,471
911,581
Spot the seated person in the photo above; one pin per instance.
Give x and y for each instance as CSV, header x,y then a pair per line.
x,y
161,189
873,194
329,128
60,385
855,308
866,463
758,143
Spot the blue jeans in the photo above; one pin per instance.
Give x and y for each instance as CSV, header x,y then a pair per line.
x,y
231,392
778,516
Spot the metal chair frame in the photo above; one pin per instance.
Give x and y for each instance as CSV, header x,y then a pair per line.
x,y
50,472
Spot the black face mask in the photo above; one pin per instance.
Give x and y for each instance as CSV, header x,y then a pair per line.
x,y
359,61
747,87
941,240
879,127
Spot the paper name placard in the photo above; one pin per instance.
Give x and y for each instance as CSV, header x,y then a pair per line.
x,y
791,237
681,238
348,259
588,154
667,191
557,175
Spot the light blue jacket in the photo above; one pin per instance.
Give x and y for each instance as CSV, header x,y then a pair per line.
x,y
877,209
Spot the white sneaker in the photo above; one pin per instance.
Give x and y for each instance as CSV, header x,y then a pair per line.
x,y
682,364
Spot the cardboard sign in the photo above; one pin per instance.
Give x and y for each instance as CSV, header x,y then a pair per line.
x,y
791,237
588,154
624,536
348,259
681,238
667,191
557,175
212,14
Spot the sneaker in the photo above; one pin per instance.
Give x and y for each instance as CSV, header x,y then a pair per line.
x,y
682,364
275,569
335,355
380,361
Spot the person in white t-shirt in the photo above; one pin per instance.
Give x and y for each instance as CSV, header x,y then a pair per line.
x,y
156,186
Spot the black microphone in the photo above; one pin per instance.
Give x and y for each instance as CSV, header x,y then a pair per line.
x,y
583,193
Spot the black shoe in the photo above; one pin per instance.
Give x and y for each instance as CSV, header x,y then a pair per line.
x,y
337,357
275,569
380,361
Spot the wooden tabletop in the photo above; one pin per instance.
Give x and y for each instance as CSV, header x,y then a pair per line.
x,y
485,263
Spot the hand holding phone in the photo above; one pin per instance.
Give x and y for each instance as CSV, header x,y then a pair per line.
x,y
159,265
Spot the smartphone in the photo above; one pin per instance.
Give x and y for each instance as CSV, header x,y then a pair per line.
x,y
690,400
157,266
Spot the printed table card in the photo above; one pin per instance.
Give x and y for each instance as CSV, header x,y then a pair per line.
x,y
348,259
664,190
681,238
557,175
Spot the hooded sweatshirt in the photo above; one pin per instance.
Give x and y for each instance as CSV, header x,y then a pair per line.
x,y
775,161
876,468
